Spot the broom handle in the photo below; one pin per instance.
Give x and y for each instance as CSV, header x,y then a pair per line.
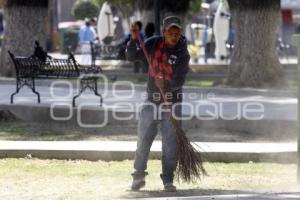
x,y
142,45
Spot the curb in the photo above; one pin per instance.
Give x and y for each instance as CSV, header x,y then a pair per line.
x,y
227,157
123,150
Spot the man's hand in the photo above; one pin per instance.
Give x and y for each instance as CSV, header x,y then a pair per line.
x,y
134,31
160,82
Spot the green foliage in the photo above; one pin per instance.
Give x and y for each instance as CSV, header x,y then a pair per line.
x,y
195,6
99,2
85,9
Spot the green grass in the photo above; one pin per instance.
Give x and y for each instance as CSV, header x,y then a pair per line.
x,y
25,131
59,179
199,83
22,131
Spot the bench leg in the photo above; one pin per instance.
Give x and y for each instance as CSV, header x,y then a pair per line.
x,y
38,95
35,92
76,96
84,84
73,102
96,92
18,87
21,82
12,96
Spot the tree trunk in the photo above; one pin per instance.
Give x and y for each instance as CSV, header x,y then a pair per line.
x,y
23,25
254,61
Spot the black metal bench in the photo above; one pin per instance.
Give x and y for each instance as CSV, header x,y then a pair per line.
x,y
105,52
42,66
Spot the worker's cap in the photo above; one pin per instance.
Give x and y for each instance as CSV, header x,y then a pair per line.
x,y
171,21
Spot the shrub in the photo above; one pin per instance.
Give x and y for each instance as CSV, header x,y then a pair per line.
x,y
85,9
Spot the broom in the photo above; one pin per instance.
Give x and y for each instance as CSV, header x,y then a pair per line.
x,y
189,161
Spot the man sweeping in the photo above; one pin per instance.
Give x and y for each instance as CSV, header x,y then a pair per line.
x,y
169,60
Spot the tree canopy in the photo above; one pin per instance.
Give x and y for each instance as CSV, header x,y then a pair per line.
x,y
85,9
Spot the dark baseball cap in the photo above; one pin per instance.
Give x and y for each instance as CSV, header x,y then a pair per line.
x,y
171,21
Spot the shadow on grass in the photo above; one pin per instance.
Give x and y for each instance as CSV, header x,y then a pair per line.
x,y
207,192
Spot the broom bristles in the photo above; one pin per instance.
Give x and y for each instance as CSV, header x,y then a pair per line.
x,y
190,165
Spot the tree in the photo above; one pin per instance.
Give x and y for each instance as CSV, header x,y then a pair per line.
x,y
194,6
25,22
254,61
85,9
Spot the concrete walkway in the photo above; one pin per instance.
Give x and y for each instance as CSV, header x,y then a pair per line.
x,y
288,196
209,102
121,150
289,60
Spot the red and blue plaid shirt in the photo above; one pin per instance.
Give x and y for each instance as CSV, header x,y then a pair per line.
x,y
160,66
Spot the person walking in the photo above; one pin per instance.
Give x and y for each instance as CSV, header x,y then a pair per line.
x,y
87,34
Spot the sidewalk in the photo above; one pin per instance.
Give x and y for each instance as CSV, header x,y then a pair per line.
x,y
187,89
122,150
290,60
292,196
274,107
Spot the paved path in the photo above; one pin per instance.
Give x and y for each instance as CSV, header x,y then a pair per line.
x,y
207,147
289,196
290,60
121,150
203,103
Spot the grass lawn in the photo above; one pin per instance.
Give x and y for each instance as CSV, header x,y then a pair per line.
x,y
24,131
59,179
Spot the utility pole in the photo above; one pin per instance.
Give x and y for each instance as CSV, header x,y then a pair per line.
x,y
157,16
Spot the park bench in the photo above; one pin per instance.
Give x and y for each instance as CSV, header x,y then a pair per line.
x,y
42,66
106,52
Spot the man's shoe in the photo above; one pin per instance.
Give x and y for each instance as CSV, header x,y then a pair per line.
x,y
138,183
169,187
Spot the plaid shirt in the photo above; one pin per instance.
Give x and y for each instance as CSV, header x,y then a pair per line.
x,y
160,66
170,64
